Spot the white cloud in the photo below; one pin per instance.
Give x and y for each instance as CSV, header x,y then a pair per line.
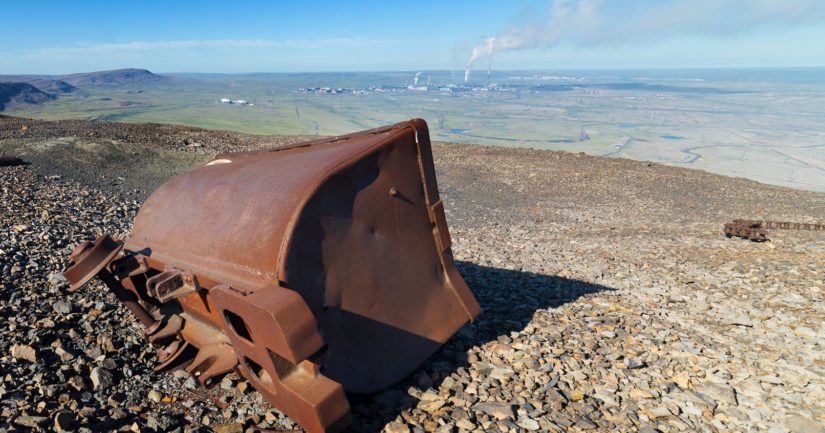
x,y
165,46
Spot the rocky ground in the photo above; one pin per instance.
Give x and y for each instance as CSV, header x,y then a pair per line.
x,y
612,301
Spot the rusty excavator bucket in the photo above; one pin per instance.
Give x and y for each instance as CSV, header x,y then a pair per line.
x,y
313,270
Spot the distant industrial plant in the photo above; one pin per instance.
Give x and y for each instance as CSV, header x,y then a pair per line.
x,y
235,102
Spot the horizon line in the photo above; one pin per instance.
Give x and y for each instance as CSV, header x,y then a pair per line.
x,y
655,68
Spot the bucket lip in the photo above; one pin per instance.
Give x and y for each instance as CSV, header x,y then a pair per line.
x,y
393,132
415,123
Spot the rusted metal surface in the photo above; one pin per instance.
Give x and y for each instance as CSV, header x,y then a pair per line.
x,y
785,225
757,230
746,229
315,269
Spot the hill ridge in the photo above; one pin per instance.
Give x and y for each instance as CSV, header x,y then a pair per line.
x,y
110,77
21,93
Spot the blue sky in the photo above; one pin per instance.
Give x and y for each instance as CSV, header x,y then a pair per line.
x,y
53,37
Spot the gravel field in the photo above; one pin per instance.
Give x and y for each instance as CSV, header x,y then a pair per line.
x,y
612,301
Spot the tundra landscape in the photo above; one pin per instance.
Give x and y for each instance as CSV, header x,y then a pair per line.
x,y
761,124
474,216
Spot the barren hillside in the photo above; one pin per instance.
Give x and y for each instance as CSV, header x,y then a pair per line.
x,y
12,94
612,301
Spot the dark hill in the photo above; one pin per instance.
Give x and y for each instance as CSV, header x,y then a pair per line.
x,y
53,86
110,78
21,93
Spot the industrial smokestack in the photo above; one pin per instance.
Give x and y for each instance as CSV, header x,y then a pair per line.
x,y
467,73
489,70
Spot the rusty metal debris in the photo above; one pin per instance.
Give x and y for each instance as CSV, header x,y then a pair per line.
x,y
313,269
757,230
746,229
8,161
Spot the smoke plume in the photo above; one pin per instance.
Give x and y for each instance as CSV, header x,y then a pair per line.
x,y
611,22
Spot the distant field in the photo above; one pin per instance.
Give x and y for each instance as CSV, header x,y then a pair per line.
x,y
762,124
